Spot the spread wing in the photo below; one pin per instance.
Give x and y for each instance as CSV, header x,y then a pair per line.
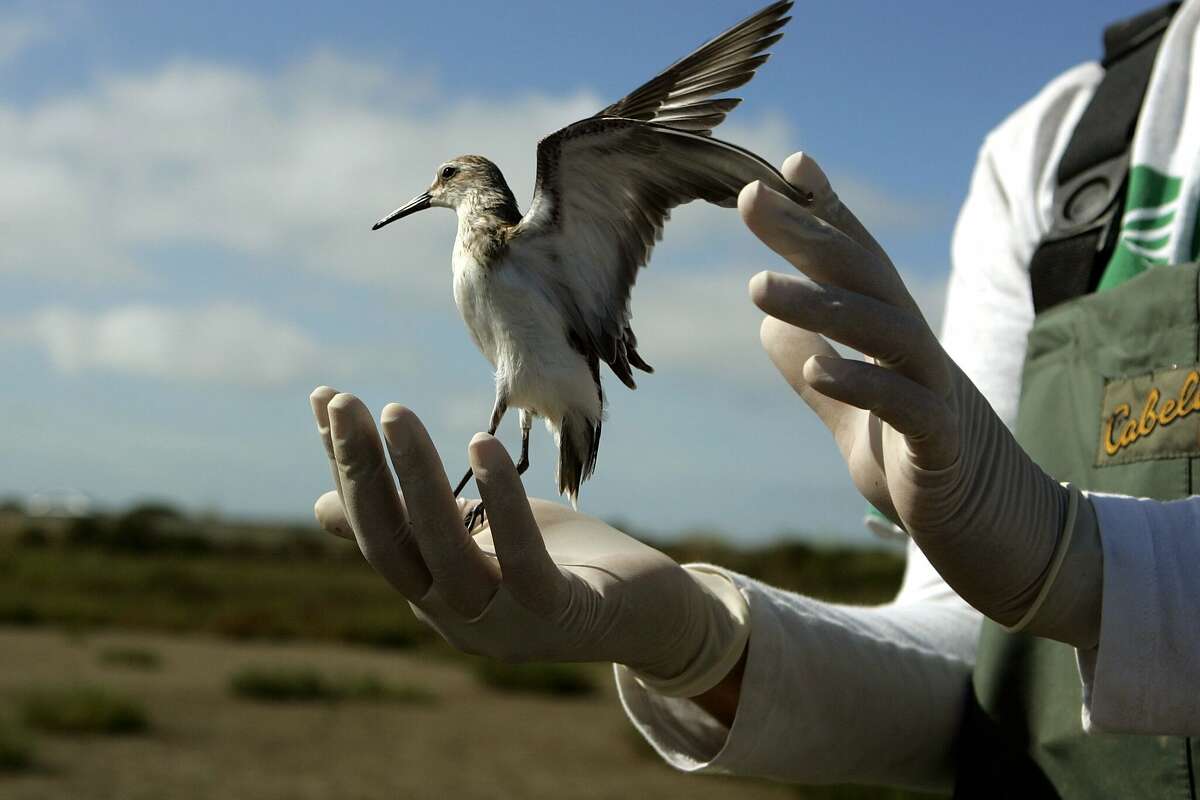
x,y
679,96
605,187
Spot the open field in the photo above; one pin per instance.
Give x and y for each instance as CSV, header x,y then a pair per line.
x,y
206,742
266,663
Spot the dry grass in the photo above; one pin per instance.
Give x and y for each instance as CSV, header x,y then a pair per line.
x,y
208,743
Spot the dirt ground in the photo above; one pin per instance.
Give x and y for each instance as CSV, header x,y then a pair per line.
x,y
206,743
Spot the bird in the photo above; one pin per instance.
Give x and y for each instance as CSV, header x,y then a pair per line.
x,y
545,294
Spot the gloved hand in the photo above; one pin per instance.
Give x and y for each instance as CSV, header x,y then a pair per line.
x,y
921,442
540,582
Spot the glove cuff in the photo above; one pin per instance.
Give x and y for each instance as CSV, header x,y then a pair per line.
x,y
1067,607
724,630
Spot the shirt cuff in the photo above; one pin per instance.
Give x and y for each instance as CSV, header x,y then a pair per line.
x,y
686,736
1142,676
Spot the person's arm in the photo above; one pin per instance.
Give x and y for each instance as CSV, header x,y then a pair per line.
x,y
1148,645
830,693
1115,577
987,318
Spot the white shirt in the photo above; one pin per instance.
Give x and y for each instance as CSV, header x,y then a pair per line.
x,y
875,695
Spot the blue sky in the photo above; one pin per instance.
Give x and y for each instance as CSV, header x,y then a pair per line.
x,y
186,192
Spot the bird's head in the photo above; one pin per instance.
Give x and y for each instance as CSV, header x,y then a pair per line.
x,y
469,185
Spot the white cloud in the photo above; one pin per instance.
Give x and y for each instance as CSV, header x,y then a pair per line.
x,y
707,324
881,211
19,34
288,168
701,323
226,343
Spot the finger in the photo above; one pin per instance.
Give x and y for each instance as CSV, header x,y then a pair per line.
x,y
818,249
921,416
897,339
319,400
801,170
464,577
790,348
332,517
526,568
370,499
854,430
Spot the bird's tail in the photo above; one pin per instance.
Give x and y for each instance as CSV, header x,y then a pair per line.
x,y
578,443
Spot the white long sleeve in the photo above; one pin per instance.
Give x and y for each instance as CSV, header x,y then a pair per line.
x,y
832,693
1145,673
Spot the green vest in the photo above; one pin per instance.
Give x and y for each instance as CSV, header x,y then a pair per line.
x,y
1108,392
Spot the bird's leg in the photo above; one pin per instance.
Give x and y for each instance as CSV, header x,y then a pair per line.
x,y
475,515
526,424
498,411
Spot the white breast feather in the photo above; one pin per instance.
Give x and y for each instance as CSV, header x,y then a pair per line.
x,y
522,334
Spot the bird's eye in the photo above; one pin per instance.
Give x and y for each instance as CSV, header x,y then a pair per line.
x,y
448,172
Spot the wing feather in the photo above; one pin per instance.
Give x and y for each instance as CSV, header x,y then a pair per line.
x,y
605,189
722,64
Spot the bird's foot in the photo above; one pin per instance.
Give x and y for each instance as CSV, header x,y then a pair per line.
x,y
475,516
522,465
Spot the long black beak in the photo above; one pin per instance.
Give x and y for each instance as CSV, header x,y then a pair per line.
x,y
418,203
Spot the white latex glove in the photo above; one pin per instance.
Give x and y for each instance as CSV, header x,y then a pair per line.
x,y
540,582
921,442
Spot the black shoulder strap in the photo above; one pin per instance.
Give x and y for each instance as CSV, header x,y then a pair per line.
x,y
1093,173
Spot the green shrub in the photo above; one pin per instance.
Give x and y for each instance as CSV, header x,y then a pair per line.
x,y
307,685
282,684
560,680
83,709
14,611
131,657
385,635
246,624
86,531
16,748
33,536
370,687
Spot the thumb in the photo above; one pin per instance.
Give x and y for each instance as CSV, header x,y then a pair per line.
x,y
332,517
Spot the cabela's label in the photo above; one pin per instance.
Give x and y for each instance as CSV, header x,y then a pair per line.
x,y
1150,417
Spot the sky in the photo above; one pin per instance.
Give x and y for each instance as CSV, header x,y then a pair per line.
x,y
186,193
